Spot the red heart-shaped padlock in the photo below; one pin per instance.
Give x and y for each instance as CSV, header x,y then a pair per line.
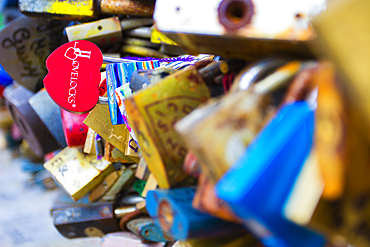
x,y
74,75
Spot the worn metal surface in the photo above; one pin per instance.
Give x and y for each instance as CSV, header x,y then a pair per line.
x,y
104,32
64,9
49,113
77,173
39,138
128,7
152,113
85,221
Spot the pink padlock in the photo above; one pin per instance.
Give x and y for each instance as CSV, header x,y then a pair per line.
x,y
75,131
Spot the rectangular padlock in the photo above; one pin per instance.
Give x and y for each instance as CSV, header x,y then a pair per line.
x,y
50,115
123,182
257,185
75,131
145,228
89,220
85,9
25,44
114,155
33,130
230,27
77,173
99,121
103,187
236,118
153,112
119,74
172,211
104,32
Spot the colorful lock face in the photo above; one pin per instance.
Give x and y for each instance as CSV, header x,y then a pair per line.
x,y
258,184
105,32
33,130
85,221
77,173
152,114
75,131
25,44
172,211
50,115
74,75
117,75
85,9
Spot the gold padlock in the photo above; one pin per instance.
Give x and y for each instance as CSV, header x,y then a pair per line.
x,y
77,173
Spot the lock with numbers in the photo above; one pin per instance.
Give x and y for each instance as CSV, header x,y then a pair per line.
x,y
76,172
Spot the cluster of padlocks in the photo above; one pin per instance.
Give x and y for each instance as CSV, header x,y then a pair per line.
x,y
194,123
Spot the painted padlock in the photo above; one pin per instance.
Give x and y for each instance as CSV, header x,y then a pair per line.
x,y
173,212
152,114
75,131
119,74
33,130
258,185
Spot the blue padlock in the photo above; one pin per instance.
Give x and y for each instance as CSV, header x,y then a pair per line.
x,y
119,74
5,78
173,212
259,184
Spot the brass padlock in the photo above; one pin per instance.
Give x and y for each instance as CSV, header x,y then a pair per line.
x,y
77,173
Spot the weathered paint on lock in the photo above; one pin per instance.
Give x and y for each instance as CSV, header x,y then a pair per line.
x,y
152,114
104,32
75,9
145,228
124,7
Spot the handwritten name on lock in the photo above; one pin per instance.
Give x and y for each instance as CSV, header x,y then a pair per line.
x,y
74,75
25,44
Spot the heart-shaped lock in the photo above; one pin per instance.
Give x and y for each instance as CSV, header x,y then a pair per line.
x,y
74,75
